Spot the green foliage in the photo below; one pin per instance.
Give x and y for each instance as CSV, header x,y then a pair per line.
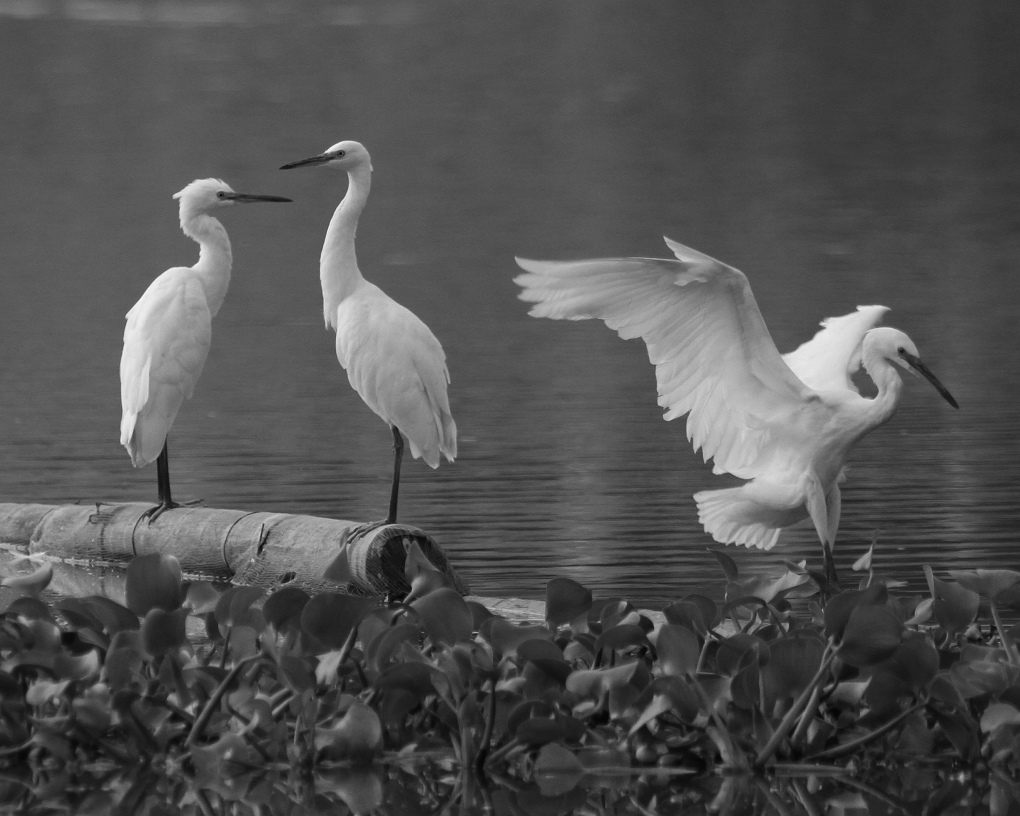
x,y
235,692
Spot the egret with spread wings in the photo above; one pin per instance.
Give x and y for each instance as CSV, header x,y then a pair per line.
x,y
784,424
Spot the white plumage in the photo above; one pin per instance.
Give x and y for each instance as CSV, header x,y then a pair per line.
x,y
392,359
784,425
169,330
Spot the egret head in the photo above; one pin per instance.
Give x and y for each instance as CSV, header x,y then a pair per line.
x,y
345,156
894,346
203,196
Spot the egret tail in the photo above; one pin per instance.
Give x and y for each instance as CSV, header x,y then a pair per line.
x,y
730,517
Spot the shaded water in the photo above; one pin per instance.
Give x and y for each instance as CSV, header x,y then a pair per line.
x,y
865,153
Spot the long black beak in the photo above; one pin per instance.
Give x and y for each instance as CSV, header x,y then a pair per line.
x,y
248,198
922,369
322,158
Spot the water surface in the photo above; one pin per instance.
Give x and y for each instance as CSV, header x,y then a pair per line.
x,y
839,155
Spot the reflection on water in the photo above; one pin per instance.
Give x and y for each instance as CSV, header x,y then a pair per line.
x,y
859,154
409,786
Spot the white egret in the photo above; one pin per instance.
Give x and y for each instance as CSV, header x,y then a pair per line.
x,y
169,330
785,427
392,359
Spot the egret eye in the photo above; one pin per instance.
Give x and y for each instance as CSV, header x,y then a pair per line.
x,y
901,350
220,194
340,153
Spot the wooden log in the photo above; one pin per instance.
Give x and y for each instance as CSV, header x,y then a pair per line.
x,y
252,548
235,546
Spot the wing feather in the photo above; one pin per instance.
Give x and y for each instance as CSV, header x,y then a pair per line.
x,y
166,342
398,367
829,359
714,358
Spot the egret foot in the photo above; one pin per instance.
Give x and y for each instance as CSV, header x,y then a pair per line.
x,y
158,510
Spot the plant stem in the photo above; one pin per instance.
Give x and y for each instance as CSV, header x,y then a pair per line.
x,y
854,744
799,704
490,722
805,717
1007,644
210,706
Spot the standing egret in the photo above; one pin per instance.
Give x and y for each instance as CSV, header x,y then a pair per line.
x,y
392,360
785,426
169,329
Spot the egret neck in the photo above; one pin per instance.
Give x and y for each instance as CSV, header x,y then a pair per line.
x,y
888,381
214,256
338,263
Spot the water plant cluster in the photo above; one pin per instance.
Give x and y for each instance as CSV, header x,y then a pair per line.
x,y
785,695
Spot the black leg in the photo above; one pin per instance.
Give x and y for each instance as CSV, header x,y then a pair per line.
x,y
398,452
830,568
163,487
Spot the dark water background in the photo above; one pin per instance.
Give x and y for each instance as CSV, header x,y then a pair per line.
x,y
839,154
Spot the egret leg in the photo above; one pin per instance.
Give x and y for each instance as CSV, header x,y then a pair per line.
x,y
398,453
830,567
163,487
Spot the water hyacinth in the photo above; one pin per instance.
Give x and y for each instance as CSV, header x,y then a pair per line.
x,y
345,692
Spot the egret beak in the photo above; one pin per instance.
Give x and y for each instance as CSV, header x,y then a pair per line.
x,y
922,369
247,198
322,158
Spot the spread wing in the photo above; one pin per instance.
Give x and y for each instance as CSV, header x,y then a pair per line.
x,y
714,358
829,359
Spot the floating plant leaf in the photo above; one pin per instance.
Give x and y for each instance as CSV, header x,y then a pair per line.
x,y
729,566
841,606
283,608
42,691
154,582
114,617
793,662
505,637
539,730
30,583
872,634
163,631
415,678
596,682
565,601
621,637
525,710
359,788
539,649
330,617
998,715
916,661
989,583
678,650
29,607
356,737
614,612
233,608
955,607
78,615
201,597
380,653
479,614
557,770
421,574
694,611
738,651
445,616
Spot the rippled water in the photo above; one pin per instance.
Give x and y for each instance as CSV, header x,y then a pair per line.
x,y
865,153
